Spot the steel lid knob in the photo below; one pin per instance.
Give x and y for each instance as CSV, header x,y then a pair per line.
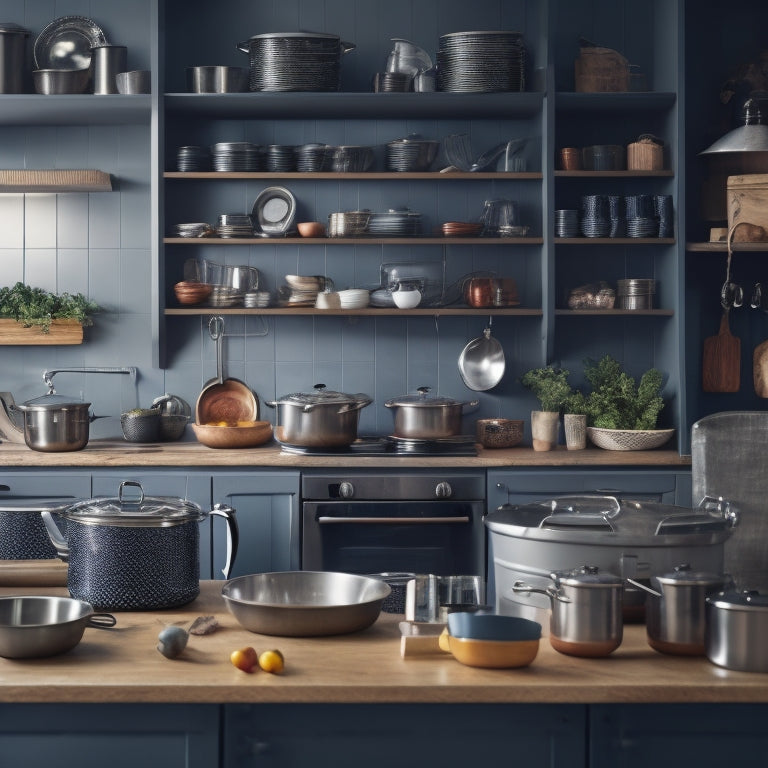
x,y
346,490
443,490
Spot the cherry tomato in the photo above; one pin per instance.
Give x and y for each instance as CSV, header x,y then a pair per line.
x,y
245,659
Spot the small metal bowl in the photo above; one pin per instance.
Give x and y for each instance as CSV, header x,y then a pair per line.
x,y
54,82
217,79
38,626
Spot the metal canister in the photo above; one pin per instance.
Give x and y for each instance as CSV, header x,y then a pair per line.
x,y
107,61
13,40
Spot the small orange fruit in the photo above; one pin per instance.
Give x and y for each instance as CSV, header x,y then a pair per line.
x,y
245,659
272,661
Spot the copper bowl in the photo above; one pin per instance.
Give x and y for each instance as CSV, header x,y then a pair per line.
x,y
188,292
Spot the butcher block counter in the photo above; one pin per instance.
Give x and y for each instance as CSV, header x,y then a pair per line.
x,y
119,453
121,665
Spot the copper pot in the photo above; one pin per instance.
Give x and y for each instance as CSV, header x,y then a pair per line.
x,y
480,291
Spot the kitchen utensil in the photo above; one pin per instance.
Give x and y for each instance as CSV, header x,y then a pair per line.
x,y
629,439
66,43
217,79
10,431
37,626
311,229
493,654
13,46
274,210
586,615
106,61
141,425
499,433
242,435
320,419
736,628
408,58
55,82
305,603
481,362
633,539
134,551
478,625
721,360
675,610
138,81
407,293
427,417
230,399
22,533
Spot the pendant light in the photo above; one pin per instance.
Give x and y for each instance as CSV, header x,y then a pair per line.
x,y
750,137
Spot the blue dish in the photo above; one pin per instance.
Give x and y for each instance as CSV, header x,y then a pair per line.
x,y
491,626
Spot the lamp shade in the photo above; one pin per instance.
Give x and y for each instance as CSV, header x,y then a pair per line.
x,y
750,137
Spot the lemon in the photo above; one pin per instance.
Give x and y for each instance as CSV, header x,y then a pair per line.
x,y
442,641
272,661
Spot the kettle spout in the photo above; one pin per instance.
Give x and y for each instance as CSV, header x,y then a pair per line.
x,y
54,534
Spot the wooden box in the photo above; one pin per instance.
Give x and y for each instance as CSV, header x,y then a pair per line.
x,y
747,200
601,70
61,332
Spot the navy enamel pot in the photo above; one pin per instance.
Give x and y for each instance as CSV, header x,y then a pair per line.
x,y
135,552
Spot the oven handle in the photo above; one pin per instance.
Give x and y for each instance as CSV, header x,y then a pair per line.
x,y
325,520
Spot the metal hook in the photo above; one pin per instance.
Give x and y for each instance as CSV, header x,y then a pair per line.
x,y
216,326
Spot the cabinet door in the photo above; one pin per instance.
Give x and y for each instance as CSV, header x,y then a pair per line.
x,y
386,735
193,486
673,735
267,505
44,485
119,735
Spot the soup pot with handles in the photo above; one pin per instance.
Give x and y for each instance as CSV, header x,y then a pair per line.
x,y
135,552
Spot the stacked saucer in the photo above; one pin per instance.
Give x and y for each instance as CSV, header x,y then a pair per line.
x,y
461,228
354,298
234,225
192,158
313,157
395,223
281,158
192,229
302,290
237,156
566,222
256,299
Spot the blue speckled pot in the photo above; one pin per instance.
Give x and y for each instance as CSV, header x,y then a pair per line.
x,y
23,535
139,553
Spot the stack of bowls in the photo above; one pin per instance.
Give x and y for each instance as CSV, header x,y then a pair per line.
x,y
256,299
352,159
188,292
237,156
411,154
224,296
281,158
595,217
354,298
192,229
461,228
192,158
313,157
566,223
234,225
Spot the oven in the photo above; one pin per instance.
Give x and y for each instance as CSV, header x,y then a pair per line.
x,y
406,522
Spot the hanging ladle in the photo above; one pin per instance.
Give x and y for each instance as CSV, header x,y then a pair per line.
x,y
481,362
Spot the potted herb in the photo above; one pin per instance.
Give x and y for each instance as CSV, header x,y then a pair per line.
x,y
575,420
550,386
43,311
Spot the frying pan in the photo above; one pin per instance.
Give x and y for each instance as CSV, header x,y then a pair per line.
x,y
481,362
221,399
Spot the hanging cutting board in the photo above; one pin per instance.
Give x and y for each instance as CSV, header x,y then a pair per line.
x,y
721,360
760,369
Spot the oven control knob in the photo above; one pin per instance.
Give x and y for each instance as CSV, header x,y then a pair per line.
x,y
346,490
443,490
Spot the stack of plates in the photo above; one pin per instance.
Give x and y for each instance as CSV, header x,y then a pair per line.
x,y
193,159
302,290
192,229
237,156
351,159
234,225
254,299
348,223
595,218
392,82
294,61
566,222
664,214
481,61
354,298
411,154
222,296
313,157
395,223
281,158
462,228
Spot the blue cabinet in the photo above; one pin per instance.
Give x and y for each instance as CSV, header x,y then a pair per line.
x,y
119,735
267,505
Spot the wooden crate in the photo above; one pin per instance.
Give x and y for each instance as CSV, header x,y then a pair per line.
x,y
62,332
601,70
747,199
54,180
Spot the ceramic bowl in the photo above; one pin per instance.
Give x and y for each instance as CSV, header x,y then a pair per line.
x,y
244,435
311,229
474,625
493,654
406,299
629,439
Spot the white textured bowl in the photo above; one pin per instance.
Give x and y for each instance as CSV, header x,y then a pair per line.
x,y
406,299
629,439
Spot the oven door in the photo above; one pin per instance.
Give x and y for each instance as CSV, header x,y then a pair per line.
x,y
441,537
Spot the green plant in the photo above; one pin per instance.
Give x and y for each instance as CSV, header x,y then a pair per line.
x,y
576,403
617,401
35,306
550,385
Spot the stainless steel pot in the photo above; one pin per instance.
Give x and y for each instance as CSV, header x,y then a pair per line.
x,y
736,628
135,552
586,617
675,613
56,423
633,539
322,419
425,417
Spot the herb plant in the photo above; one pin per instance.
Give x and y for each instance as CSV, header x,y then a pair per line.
x,y
550,385
617,401
36,306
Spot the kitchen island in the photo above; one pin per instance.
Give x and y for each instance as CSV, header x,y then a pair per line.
x,y
353,700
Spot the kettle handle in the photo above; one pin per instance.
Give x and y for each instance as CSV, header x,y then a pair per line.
x,y
233,535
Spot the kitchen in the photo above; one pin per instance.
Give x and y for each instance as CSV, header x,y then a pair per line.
x,y
110,247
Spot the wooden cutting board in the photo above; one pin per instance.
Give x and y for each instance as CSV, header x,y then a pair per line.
x,y
760,369
721,361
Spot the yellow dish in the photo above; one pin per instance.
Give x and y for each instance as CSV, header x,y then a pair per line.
x,y
493,654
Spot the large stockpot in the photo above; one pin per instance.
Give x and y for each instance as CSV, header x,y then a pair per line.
x,y
736,629
321,419
135,552
426,417
633,539
23,535
675,612
586,615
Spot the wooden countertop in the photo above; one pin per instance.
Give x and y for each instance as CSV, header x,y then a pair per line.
x,y
122,665
118,453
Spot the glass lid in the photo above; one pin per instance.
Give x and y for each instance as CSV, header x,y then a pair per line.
x,y
322,396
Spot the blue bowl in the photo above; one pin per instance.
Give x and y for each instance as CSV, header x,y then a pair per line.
x,y
492,626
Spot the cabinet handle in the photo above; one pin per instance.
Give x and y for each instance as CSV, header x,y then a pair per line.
x,y
391,520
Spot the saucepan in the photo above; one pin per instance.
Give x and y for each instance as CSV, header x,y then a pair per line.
x,y
36,626
427,417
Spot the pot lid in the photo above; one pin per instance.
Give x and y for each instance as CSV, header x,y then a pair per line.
x,y
51,401
605,519
747,599
586,576
134,509
683,576
323,396
422,399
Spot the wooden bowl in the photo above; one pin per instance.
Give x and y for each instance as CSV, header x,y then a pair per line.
x,y
311,229
244,434
192,293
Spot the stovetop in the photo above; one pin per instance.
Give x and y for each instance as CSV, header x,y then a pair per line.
x,y
458,445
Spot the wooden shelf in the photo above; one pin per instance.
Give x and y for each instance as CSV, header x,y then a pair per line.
x,y
366,312
366,176
62,332
723,248
568,101
54,180
615,312
614,241
355,240
664,173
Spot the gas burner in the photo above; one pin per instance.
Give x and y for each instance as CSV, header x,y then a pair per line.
x,y
459,445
